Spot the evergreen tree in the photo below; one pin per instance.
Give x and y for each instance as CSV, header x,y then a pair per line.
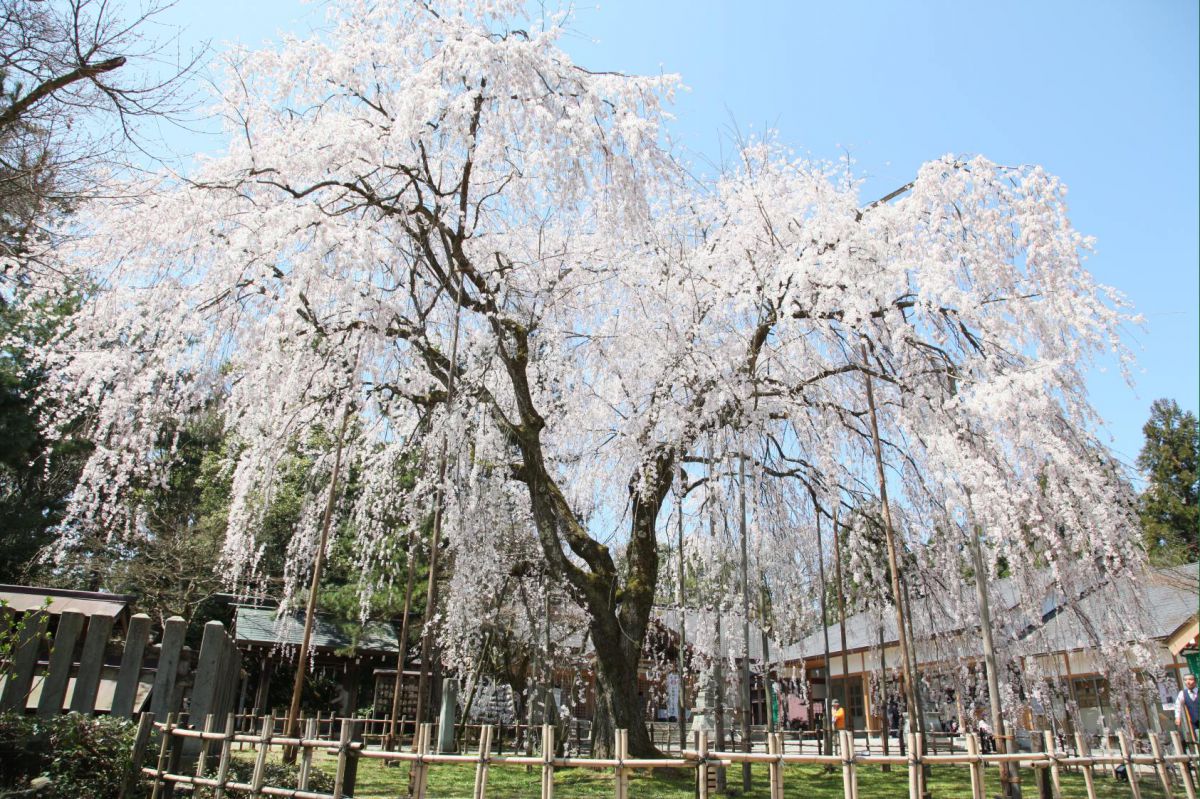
x,y
1168,506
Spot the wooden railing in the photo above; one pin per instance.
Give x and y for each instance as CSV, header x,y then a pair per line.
x,y
168,771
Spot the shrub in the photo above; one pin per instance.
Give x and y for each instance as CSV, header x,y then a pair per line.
x,y
81,756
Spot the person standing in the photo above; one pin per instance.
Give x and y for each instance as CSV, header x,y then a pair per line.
x,y
839,716
1187,708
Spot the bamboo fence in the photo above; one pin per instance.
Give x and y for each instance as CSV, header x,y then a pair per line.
x,y
215,746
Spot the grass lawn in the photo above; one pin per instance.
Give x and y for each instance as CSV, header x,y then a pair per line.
x,y
378,781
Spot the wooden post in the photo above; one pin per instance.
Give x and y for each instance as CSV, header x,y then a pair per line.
x,y
702,767
922,774
914,766
1055,776
226,754
1127,757
140,740
1088,767
306,755
977,789
162,693
547,761
25,660
1108,747
91,661
347,762
481,768
1160,765
849,778
58,671
131,665
622,777
260,760
775,767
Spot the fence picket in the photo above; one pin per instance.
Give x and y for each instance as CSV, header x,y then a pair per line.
x,y
1185,767
226,754
306,755
24,662
164,749
481,768
260,761
622,781
849,778
91,661
1088,767
58,671
131,665
977,790
134,770
547,761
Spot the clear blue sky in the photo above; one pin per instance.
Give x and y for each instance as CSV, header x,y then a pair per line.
x,y
1103,94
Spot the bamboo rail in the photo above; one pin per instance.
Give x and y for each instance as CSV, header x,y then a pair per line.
x,y
1158,765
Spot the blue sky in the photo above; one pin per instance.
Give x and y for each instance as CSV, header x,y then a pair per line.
x,y
1103,94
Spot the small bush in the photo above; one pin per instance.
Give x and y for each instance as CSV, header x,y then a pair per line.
x,y
277,775
81,756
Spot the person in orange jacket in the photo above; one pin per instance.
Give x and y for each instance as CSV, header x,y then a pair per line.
x,y
839,716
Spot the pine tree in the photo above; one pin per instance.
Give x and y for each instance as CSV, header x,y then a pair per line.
x,y
1168,507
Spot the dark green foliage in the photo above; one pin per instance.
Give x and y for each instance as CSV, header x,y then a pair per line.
x,y
276,774
80,755
1168,507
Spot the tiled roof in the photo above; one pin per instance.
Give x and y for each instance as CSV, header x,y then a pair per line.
x,y
255,625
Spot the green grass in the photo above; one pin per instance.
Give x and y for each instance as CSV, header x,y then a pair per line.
x,y
377,780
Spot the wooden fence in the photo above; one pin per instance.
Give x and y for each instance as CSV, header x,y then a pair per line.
x,y
65,672
215,744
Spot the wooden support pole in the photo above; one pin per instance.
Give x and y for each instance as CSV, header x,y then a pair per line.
x,y
205,744
914,766
1055,775
775,767
1088,765
133,772
703,768
164,748
1160,765
421,766
1185,767
347,761
1127,758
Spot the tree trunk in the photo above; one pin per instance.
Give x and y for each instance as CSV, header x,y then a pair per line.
x,y
618,706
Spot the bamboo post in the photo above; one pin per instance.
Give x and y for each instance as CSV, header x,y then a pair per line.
x,y
622,777
420,767
702,767
776,768
1088,766
311,727
226,754
164,749
849,778
481,768
260,760
1052,757
1108,747
977,789
914,767
921,772
1185,767
1127,758
347,761
140,740
1160,765
202,758
547,761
